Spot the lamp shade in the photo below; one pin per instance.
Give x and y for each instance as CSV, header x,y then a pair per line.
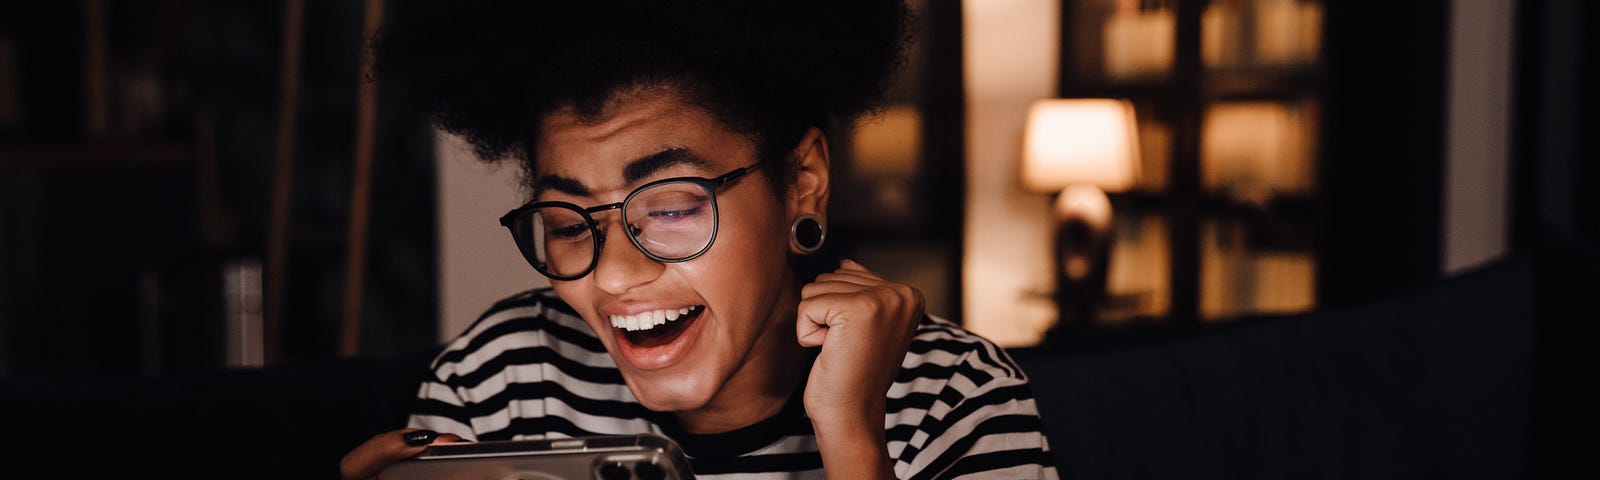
x,y
1079,141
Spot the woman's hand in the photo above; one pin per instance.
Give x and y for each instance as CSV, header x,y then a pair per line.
x,y
864,325
384,449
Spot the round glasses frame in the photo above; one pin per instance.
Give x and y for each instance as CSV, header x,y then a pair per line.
x,y
598,235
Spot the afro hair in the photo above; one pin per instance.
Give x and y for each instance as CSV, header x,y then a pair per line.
x,y
489,70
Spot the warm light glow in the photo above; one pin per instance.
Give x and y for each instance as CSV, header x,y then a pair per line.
x,y
1080,141
1089,204
889,145
1255,146
1287,32
1236,280
1138,43
1011,57
1086,202
1140,268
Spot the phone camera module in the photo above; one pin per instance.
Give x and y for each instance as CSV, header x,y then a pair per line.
x,y
615,471
649,471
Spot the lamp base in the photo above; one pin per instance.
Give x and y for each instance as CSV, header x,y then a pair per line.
x,y
1082,248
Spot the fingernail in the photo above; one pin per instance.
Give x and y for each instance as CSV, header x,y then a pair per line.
x,y
420,437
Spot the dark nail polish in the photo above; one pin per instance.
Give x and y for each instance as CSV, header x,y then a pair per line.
x,y
420,437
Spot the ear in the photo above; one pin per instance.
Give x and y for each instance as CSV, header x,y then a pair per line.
x,y
808,190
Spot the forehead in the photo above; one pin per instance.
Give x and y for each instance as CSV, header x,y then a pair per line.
x,y
633,124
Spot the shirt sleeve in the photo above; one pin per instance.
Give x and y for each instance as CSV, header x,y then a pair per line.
x,y
985,425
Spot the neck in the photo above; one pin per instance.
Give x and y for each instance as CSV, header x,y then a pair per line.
x,y
774,368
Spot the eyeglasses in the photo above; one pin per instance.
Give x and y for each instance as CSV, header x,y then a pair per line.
x,y
670,220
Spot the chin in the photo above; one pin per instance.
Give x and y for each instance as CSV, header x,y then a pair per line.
x,y
672,393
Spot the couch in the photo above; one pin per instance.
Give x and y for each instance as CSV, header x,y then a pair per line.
x,y
1486,375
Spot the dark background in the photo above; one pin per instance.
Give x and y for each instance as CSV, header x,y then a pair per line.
x,y
112,247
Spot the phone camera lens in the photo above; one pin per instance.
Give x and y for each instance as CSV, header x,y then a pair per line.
x,y
615,471
649,471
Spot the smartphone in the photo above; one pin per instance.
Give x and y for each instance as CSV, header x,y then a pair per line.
x,y
605,457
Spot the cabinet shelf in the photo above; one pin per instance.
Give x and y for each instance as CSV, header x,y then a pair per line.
x,y
1262,84
1151,90
1284,206
1287,84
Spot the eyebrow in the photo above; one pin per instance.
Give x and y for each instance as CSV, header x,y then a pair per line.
x,y
648,165
635,171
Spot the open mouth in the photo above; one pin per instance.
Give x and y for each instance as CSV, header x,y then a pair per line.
x,y
656,327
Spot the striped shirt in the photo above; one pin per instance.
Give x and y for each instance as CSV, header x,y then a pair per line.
x,y
531,368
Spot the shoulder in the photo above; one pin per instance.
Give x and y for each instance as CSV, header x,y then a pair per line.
x,y
528,367
532,310
943,349
529,322
950,374
962,406
543,300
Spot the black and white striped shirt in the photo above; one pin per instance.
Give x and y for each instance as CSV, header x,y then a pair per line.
x,y
531,368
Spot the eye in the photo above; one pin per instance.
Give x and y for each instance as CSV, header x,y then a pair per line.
x,y
672,214
568,232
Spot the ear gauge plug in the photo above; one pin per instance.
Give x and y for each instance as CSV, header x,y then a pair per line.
x,y
806,234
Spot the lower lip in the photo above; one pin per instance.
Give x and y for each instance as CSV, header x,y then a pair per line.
x,y
659,356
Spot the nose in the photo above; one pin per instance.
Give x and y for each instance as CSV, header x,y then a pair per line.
x,y
621,265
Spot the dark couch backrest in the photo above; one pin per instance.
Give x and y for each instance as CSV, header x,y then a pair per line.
x,y
1433,384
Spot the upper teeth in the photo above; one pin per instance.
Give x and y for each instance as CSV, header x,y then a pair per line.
x,y
648,320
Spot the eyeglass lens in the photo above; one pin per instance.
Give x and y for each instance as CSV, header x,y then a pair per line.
x,y
670,221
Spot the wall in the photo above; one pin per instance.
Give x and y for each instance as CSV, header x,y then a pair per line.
x,y
478,263
1477,167
1010,47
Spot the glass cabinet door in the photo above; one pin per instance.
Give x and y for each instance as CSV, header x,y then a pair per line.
x,y
1227,95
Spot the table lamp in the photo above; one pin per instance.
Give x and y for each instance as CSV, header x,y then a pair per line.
x,y
1079,148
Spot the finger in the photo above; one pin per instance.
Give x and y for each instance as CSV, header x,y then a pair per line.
x,y
449,438
859,278
422,438
854,273
417,438
830,309
379,452
814,317
819,313
855,269
814,289
851,264
808,330
809,333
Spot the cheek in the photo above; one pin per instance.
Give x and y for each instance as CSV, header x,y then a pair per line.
x,y
749,246
570,291
744,269
577,294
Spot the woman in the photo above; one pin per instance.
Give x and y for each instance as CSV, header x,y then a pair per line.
x,y
676,159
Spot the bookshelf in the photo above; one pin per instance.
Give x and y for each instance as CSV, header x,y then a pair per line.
x,y
1222,222
1292,152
